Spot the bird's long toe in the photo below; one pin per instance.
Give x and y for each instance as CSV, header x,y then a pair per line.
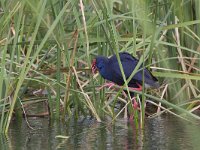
x,y
139,88
107,84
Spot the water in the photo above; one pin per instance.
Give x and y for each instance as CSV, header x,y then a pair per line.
x,y
159,134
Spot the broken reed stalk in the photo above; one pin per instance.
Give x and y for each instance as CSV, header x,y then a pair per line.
x,y
66,98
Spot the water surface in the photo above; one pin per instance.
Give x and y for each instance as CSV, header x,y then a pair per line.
x,y
160,133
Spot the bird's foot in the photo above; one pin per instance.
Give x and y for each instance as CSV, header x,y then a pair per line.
x,y
108,84
139,88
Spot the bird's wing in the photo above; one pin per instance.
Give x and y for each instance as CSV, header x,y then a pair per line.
x,y
124,56
129,63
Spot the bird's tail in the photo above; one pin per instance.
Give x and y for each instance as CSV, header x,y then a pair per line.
x,y
152,84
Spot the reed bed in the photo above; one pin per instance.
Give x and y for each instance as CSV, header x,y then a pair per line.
x,y
47,48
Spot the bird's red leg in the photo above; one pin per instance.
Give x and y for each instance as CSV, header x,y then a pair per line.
x,y
139,88
135,103
108,84
135,107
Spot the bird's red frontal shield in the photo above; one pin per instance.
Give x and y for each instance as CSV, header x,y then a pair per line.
x,y
94,67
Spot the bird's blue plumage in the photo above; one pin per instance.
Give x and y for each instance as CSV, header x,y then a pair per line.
x,y
109,69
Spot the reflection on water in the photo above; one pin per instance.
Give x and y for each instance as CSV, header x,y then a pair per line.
x,y
159,133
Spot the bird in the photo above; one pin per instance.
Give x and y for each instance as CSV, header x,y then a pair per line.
x,y
109,69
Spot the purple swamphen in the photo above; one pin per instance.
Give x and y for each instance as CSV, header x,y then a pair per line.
x,y
109,70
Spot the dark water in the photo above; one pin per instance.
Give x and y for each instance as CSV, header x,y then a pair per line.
x,y
160,133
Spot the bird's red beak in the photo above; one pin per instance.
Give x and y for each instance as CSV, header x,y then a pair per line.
x,y
94,67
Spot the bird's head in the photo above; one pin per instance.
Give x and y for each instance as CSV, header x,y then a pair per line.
x,y
99,63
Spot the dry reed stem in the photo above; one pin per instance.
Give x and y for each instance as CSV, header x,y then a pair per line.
x,y
124,108
177,71
180,91
87,98
85,27
194,60
28,124
195,108
182,61
163,93
109,109
192,67
164,110
66,97
3,41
